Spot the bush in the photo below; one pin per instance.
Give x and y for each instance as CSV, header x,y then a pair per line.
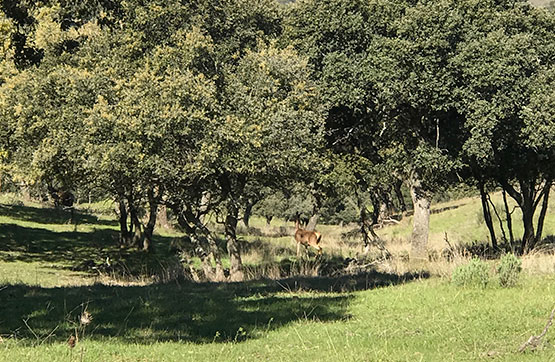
x,y
509,270
475,273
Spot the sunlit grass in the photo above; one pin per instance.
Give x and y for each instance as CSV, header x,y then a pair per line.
x,y
462,221
429,320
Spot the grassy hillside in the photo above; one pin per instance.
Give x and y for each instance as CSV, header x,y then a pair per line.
x,y
540,3
59,279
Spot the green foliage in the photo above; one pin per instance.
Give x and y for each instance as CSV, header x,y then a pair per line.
x,y
340,211
271,122
271,206
473,274
509,270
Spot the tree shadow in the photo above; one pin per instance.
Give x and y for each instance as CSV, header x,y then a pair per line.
x,y
178,311
439,210
85,251
333,275
546,245
51,215
164,312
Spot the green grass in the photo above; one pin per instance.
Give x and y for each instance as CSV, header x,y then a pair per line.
x,y
42,246
462,220
46,283
428,320
540,3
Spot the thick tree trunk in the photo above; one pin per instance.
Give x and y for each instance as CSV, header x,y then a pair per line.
x,y
203,207
487,213
199,249
214,251
235,272
313,221
421,220
24,191
527,207
204,247
375,208
248,212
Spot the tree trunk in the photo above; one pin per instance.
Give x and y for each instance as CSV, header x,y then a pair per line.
x,y
527,201
509,217
248,212
124,235
269,219
364,230
315,215
152,213
138,235
543,211
375,208
384,212
398,192
162,217
487,213
203,248
235,272
501,227
312,222
527,207
233,186
363,223
25,192
203,207
421,220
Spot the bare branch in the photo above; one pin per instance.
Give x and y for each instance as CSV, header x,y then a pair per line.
x,y
534,341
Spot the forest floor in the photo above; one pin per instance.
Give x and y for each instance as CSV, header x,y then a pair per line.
x,y
60,279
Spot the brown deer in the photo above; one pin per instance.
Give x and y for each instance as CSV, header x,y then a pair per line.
x,y
307,238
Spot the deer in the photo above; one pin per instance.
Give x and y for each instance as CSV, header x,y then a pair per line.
x,y
307,238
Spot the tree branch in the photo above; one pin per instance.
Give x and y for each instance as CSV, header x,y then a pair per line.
x,y
534,341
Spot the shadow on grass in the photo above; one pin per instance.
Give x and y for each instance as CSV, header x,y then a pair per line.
x,y
349,283
51,215
184,311
77,250
178,311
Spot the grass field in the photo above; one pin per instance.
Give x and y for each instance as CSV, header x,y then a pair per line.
x,y
541,3
55,282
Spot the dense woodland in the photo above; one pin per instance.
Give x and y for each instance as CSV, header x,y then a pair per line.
x,y
321,109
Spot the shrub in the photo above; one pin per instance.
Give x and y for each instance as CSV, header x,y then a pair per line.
x,y
509,270
475,273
